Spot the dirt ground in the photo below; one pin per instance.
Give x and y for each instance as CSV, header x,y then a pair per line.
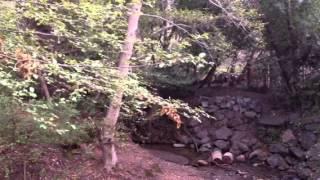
x,y
135,162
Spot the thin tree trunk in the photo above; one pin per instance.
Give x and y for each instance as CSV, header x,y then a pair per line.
x,y
108,147
209,76
167,6
44,87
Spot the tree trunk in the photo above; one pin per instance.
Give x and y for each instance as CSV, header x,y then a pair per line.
x,y
209,76
167,6
108,147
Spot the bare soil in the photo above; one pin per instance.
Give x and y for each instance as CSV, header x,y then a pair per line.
x,y
135,162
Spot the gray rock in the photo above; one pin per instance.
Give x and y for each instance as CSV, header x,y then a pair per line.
x,y
219,116
223,133
304,172
283,165
237,121
297,152
249,140
177,145
278,148
272,121
242,147
218,99
184,139
250,114
230,115
242,127
194,123
287,136
314,127
223,145
238,136
277,161
205,103
202,162
203,133
260,154
213,109
246,100
235,151
314,153
290,177
225,105
290,160
197,129
307,139
204,140
241,158
205,147
236,108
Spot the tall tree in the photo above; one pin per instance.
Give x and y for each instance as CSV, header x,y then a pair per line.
x,y
108,146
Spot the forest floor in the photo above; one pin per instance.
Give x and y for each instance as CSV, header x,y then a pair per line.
x,y
135,162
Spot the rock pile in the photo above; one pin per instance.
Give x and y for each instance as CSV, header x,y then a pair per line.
x,y
233,128
243,132
242,129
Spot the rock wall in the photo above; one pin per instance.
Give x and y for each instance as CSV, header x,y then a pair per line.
x,y
243,128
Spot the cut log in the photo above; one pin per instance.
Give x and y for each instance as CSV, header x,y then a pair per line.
x,y
216,156
227,158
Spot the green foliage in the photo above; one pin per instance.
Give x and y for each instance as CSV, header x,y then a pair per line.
x,y
40,123
76,47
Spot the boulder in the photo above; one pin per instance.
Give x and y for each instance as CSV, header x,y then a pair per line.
x,y
219,115
277,161
202,133
177,145
202,162
218,99
223,133
278,148
235,122
314,127
250,114
260,154
223,145
184,139
313,153
205,103
194,123
204,140
307,139
241,158
238,136
249,140
297,152
236,108
171,157
205,147
287,136
242,147
234,150
230,115
213,109
246,100
272,121
303,172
